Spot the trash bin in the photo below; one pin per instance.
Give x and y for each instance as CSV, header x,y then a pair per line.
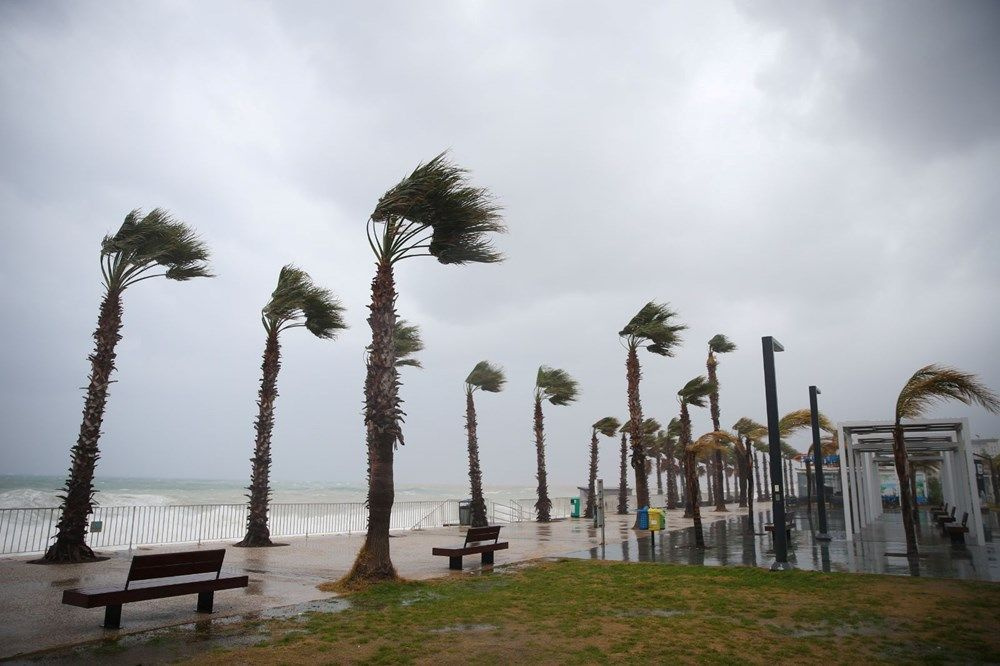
x,y
465,512
657,519
643,518
575,503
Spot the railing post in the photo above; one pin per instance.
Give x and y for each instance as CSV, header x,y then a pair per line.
x,y
131,529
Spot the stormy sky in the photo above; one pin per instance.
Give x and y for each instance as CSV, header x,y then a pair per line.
x,y
824,172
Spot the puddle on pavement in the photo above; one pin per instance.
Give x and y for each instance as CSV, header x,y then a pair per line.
x,y
169,644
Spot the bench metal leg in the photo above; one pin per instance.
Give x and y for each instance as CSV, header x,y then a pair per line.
x,y
488,557
113,617
455,563
205,600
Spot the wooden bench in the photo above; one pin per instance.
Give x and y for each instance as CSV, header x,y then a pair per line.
x,y
942,520
958,532
158,577
789,525
940,510
483,540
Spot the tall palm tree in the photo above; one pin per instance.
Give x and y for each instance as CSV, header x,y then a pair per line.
x,y
490,378
693,394
650,427
656,451
144,247
608,426
930,384
704,447
749,432
558,388
719,344
432,212
652,327
295,303
623,471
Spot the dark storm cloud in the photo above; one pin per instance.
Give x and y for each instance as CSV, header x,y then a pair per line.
x,y
820,172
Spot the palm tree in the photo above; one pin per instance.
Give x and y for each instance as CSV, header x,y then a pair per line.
x,y
295,303
490,378
656,450
623,471
650,427
748,432
929,384
719,344
652,327
558,388
693,394
144,247
607,426
432,212
704,447
669,445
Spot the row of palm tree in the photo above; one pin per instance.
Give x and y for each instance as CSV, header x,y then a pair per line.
x,y
435,212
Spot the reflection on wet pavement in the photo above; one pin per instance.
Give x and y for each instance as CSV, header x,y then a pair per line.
x,y
730,542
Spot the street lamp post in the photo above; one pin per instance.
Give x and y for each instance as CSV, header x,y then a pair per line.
x,y
818,458
770,346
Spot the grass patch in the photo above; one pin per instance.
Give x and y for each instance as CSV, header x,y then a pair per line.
x,y
581,612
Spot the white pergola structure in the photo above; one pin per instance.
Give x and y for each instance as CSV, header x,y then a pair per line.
x,y
867,445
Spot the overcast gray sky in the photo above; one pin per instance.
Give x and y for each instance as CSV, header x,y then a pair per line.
x,y
824,172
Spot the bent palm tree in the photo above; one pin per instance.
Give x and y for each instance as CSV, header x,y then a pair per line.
x,y
693,394
653,328
719,344
558,388
144,247
669,445
748,433
295,303
490,378
704,447
607,426
432,212
929,384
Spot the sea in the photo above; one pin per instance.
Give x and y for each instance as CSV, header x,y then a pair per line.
x,y
24,492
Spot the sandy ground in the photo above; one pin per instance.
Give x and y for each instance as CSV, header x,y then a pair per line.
x,y
33,618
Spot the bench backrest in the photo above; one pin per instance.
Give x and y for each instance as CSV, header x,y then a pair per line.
x,y
965,518
145,567
952,512
479,534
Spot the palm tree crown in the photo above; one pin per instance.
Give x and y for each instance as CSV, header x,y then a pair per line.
x,y
608,426
151,241
486,377
720,344
652,325
434,212
695,392
933,383
297,302
556,386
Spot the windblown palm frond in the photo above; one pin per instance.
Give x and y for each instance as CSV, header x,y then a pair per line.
x,y
788,451
750,428
720,344
711,441
406,342
487,377
696,391
608,426
650,426
799,419
653,325
556,386
435,211
933,383
674,428
146,242
297,302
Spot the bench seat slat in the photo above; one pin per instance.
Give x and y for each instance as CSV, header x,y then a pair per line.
x,y
470,550
142,591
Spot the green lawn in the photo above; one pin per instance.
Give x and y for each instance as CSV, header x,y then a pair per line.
x,y
586,612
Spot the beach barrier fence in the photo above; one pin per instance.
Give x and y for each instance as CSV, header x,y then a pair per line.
x,y
31,530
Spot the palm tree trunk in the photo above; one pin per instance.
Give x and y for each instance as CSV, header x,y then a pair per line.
x,y
659,475
729,493
382,415
750,487
671,479
543,506
742,475
691,475
592,480
713,403
756,471
905,499
633,375
913,494
475,473
809,485
767,480
623,479
77,504
258,533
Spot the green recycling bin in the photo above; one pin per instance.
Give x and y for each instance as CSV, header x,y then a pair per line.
x,y
575,503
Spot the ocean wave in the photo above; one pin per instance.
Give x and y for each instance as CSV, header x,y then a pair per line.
x,y
32,498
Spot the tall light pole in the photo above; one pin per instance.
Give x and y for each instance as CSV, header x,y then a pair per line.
x,y
770,346
818,458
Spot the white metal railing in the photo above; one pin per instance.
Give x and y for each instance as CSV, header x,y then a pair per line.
x,y
32,530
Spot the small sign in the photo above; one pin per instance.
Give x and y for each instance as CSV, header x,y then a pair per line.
x,y
96,526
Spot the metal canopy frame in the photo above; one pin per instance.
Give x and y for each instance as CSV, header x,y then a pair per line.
x,y
863,448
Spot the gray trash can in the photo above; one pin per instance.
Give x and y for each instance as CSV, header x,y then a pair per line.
x,y
465,512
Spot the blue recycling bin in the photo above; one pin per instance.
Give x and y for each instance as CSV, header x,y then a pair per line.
x,y
643,521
